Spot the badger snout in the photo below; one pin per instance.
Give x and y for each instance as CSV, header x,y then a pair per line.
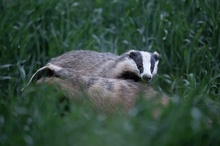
x,y
146,78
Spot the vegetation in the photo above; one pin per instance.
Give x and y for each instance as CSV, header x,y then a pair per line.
x,y
186,33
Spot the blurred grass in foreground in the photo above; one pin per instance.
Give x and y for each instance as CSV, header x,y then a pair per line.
x,y
185,33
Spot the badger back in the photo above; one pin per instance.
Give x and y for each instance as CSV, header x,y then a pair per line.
x,y
84,61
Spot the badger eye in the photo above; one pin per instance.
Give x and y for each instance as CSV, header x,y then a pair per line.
x,y
140,67
152,69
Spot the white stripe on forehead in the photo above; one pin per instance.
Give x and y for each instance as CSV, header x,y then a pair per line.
x,y
146,63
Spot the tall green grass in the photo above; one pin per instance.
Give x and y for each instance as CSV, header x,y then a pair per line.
x,y
185,33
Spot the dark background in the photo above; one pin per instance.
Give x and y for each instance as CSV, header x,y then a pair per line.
x,y
185,33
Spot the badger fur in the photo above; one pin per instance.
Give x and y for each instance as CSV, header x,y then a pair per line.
x,y
105,93
135,65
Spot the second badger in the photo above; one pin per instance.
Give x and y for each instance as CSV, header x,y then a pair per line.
x,y
135,65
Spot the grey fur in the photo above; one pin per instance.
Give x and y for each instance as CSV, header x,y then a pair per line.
x,y
91,63
106,94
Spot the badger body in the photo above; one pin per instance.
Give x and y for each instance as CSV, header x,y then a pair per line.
x,y
106,94
134,65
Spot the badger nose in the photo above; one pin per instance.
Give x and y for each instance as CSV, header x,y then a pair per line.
x,y
147,78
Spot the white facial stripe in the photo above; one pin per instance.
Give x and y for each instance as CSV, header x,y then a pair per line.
x,y
155,68
146,64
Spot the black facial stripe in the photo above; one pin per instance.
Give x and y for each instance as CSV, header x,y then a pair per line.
x,y
152,61
137,57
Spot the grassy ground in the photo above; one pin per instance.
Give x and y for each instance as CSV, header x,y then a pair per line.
x,y
185,33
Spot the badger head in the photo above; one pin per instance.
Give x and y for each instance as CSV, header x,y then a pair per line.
x,y
136,65
146,63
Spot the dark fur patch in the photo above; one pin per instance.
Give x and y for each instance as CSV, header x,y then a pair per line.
x,y
46,72
129,75
104,83
152,61
156,56
91,82
137,57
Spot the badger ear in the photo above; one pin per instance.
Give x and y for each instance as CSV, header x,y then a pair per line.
x,y
156,56
133,54
45,71
48,71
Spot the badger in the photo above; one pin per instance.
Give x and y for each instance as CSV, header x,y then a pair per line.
x,y
105,93
134,65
